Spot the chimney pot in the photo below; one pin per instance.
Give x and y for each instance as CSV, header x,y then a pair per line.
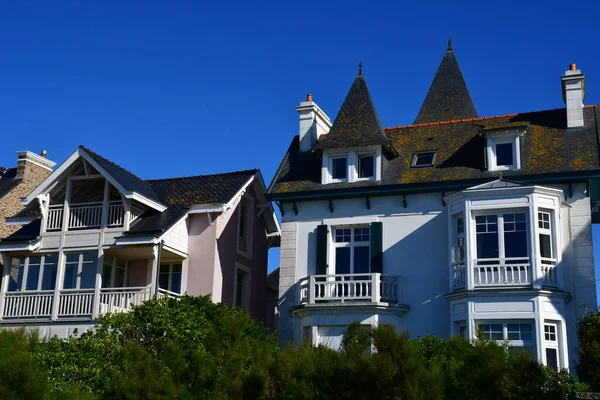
x,y
573,67
44,153
309,97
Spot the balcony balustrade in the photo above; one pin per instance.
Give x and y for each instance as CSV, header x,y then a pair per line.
x,y
341,288
89,215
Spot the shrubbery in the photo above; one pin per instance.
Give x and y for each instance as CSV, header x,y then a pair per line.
x,y
589,349
194,349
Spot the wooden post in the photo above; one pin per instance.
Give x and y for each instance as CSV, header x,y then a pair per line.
x,y
4,286
155,267
98,284
375,287
61,255
104,220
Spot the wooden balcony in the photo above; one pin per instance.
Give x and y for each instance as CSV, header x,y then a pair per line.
x,y
69,304
355,288
89,215
510,272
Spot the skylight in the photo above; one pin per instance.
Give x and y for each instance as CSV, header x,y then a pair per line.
x,y
423,159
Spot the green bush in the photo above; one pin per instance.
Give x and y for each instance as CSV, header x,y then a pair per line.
x,y
588,368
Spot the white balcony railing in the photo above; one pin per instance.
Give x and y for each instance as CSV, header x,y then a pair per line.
x,y
116,213
75,303
85,215
371,288
510,272
89,215
114,300
55,218
549,274
162,293
458,275
36,304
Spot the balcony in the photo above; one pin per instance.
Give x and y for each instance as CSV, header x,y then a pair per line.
x,y
349,288
72,304
89,215
511,272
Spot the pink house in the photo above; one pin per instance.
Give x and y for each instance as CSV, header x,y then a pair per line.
x,y
98,239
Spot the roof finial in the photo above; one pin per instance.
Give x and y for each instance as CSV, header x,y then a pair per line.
x,y
449,44
360,67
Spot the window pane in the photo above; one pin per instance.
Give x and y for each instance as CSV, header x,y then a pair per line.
x,y
70,281
460,225
73,257
119,276
504,154
461,249
176,282
342,260
361,234
361,260
88,276
339,168
515,244
366,166
33,276
552,358
496,330
163,281
106,275
90,257
424,159
487,245
165,268
49,274
545,246
343,235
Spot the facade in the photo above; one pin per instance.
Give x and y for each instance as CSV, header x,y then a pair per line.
x,y
98,239
453,224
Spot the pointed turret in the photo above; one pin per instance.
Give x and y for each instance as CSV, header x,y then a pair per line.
x,y
448,97
357,123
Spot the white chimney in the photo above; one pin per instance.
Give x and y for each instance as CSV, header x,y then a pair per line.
x,y
313,123
573,87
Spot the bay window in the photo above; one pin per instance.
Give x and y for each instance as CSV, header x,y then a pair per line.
x,y
80,270
517,335
115,272
33,273
551,345
546,243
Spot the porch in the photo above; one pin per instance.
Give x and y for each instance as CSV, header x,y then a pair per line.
x,y
79,286
90,215
349,288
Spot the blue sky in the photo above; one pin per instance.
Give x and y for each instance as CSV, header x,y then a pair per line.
x,y
183,88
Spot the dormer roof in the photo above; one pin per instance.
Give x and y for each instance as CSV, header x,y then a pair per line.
x,y
448,97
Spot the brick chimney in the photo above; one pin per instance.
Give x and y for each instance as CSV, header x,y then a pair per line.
x,y
33,168
573,89
313,123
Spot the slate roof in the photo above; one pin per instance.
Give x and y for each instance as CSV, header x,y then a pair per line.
x,y
180,193
448,97
128,180
357,123
273,281
547,148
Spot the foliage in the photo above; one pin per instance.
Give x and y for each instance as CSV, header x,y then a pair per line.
x,y
588,368
194,349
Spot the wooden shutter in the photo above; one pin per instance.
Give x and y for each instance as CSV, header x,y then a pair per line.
x,y
322,249
594,193
376,247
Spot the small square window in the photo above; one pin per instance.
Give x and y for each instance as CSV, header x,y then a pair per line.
x,y
544,220
424,159
550,333
504,154
339,168
361,234
343,235
366,166
460,225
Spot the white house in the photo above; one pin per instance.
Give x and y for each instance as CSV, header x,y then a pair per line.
x,y
453,224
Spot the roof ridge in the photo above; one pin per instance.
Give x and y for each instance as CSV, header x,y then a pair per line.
x,y
455,121
111,162
203,176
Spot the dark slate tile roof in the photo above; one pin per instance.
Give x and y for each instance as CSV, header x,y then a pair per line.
x,y
8,180
448,97
128,180
181,193
26,234
547,147
273,281
357,123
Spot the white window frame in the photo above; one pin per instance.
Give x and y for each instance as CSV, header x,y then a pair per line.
x,y
246,288
170,282
512,343
330,168
367,154
552,344
500,223
114,270
413,163
26,259
550,231
80,263
352,157
351,244
493,141
248,203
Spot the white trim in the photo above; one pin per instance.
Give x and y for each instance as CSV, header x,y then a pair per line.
x,y
44,186
145,201
247,286
36,159
19,221
495,139
206,208
331,158
136,240
18,247
240,192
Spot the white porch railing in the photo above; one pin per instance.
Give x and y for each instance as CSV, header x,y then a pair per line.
x,y
75,303
28,304
114,300
458,275
549,274
162,293
135,212
116,213
55,218
85,215
372,288
512,272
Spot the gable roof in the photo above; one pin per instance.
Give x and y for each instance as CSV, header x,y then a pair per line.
x,y
8,180
548,149
448,97
357,123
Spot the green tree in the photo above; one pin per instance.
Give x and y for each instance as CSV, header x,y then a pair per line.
x,y
588,368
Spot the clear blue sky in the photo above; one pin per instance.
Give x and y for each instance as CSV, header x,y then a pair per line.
x,y
184,88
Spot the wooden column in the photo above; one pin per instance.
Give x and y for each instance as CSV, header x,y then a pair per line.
x,y
98,284
61,255
4,286
155,267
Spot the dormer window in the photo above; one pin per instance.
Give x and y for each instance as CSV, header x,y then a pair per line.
x,y
339,169
503,151
366,166
423,159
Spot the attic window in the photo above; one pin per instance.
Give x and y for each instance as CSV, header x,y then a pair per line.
x,y
424,159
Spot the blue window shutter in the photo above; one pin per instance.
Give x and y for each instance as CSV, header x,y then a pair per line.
x,y
322,249
376,247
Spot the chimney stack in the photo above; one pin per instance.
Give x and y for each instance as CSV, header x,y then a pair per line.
x,y
31,167
313,123
573,89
